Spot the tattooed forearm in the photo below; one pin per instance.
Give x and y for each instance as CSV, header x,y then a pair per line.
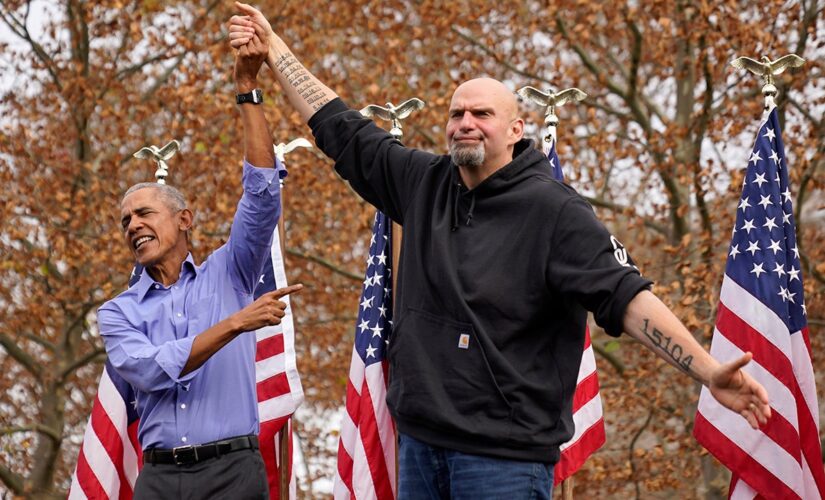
x,y
302,81
673,350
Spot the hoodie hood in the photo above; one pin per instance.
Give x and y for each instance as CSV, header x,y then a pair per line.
x,y
527,162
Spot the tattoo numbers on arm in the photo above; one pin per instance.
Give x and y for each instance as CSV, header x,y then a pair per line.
x,y
665,343
301,80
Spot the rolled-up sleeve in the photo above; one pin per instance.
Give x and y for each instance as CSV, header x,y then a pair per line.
x,y
145,366
592,266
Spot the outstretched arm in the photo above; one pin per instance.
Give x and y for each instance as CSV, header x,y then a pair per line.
x,y
305,92
648,320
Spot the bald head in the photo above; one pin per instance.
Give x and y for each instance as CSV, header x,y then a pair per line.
x,y
483,128
493,91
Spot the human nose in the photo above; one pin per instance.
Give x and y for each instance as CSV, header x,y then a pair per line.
x,y
467,122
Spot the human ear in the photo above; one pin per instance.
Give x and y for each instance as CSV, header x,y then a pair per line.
x,y
185,219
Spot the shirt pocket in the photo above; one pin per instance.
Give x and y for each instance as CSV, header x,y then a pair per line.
x,y
203,313
440,375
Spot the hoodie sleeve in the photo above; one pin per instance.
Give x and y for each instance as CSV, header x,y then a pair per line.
x,y
590,264
377,166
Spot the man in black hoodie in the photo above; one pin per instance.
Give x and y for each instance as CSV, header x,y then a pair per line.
x,y
500,264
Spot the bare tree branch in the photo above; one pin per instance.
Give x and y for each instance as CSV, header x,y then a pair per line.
x,y
615,207
38,428
500,60
27,361
96,356
329,265
13,481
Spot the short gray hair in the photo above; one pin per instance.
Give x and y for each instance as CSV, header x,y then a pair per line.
x,y
171,197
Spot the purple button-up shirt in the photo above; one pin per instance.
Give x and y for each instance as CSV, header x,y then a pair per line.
x,y
149,329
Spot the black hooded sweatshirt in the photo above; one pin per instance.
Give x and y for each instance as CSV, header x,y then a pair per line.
x,y
492,294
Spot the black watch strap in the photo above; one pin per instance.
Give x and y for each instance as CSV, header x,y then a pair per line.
x,y
254,97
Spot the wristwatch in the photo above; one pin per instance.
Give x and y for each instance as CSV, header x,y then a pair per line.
x,y
254,97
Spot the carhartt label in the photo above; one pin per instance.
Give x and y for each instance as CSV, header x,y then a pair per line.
x,y
464,341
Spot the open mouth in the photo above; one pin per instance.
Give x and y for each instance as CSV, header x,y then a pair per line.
x,y
140,241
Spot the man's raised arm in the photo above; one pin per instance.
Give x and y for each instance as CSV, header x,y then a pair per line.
x,y
305,92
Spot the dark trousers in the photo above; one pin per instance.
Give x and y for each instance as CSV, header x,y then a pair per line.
x,y
237,475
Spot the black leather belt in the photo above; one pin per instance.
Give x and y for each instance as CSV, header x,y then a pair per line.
x,y
186,455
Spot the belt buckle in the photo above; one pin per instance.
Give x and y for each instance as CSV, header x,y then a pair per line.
x,y
184,454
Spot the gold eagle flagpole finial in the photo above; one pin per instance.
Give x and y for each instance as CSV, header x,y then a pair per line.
x,y
767,69
160,157
549,100
393,114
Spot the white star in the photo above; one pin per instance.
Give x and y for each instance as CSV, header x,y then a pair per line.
x,y
775,247
134,402
753,247
376,279
769,134
261,279
371,351
376,330
774,156
776,179
744,203
748,225
367,281
371,260
757,269
372,239
766,200
760,179
779,270
382,259
769,223
787,194
133,273
366,303
791,296
786,218
793,274
795,250
364,326
734,251
804,310
382,311
755,157
783,292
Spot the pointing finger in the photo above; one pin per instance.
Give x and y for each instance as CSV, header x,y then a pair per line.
x,y
281,292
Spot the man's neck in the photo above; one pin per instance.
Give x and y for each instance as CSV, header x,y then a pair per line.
x,y
168,271
473,176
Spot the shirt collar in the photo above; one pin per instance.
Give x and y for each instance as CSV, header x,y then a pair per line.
x,y
146,283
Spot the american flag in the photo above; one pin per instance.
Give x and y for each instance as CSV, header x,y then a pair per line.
x,y
589,433
367,447
110,456
762,310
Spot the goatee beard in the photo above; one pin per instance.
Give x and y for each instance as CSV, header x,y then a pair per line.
x,y
469,155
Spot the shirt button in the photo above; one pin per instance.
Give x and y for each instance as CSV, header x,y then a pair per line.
x,y
179,315
183,439
183,406
157,286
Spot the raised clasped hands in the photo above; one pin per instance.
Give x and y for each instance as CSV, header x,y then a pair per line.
x,y
249,34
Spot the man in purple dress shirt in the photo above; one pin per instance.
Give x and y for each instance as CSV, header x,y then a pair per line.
x,y
183,335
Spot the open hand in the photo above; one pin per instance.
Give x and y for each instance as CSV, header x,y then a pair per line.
x,y
739,392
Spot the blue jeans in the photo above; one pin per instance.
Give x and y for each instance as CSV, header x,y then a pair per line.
x,y
430,472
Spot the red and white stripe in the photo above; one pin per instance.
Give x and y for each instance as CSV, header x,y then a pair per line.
x,y
367,448
110,456
588,418
783,458
278,383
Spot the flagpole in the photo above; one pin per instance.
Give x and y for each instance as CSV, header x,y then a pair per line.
x,y
394,114
549,100
284,468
